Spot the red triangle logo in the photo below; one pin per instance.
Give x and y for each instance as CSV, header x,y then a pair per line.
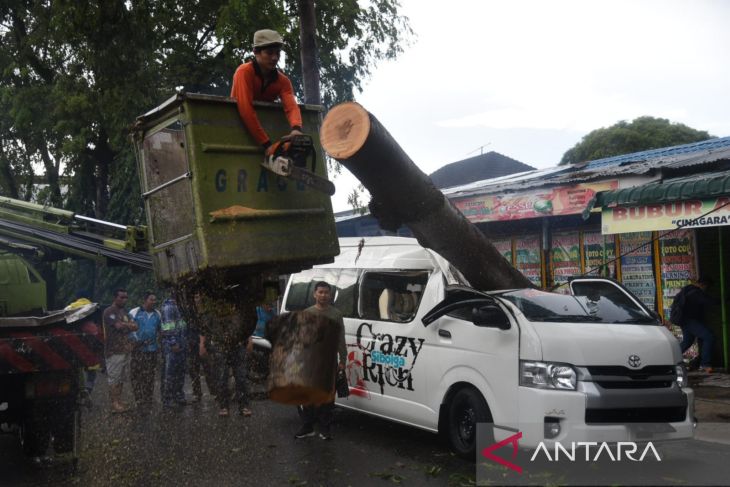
x,y
514,440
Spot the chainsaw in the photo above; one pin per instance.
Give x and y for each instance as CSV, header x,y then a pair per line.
x,y
288,157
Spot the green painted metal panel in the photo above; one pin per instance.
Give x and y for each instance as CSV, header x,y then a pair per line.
x,y
666,191
22,290
210,204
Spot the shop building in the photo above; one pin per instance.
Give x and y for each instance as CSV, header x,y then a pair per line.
x,y
478,168
652,220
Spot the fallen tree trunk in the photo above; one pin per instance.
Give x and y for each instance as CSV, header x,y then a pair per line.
x,y
403,194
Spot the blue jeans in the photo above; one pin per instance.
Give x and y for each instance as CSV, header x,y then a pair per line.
x,y
696,329
90,380
173,374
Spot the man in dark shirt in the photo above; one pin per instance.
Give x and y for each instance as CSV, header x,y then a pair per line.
x,y
693,325
227,326
323,414
118,348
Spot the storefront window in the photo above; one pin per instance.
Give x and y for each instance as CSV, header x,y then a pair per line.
x,y
565,256
528,261
504,247
637,266
599,252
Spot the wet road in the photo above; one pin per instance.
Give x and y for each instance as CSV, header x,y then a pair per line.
x,y
194,446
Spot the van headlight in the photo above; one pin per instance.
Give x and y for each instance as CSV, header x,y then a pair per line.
x,y
548,375
681,375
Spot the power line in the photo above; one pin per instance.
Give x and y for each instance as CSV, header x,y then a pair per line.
x,y
480,149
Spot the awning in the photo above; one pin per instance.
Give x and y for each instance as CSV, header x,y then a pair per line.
x,y
696,187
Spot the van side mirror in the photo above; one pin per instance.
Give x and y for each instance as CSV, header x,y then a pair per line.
x,y
490,316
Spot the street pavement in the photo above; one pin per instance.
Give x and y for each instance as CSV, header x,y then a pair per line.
x,y
193,446
712,406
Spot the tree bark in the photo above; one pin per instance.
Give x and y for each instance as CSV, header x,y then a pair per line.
x,y
303,360
310,60
403,194
7,180
103,156
52,168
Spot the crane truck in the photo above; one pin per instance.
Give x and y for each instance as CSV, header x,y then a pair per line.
x,y
217,219
44,351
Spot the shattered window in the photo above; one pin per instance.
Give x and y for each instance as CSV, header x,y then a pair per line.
x,y
392,296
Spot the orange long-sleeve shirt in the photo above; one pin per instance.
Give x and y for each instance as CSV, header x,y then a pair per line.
x,y
249,85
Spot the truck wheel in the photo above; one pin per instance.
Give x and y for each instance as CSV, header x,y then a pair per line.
x,y
467,408
34,438
66,433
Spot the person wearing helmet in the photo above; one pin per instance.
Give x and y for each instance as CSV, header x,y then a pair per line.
x,y
260,80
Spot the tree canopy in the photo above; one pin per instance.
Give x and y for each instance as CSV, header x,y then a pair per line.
x,y
74,75
642,133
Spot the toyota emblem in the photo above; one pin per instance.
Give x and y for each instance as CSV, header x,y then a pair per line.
x,y
634,361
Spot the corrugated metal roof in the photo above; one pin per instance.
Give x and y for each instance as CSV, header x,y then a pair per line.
x,y
665,153
637,163
512,182
478,168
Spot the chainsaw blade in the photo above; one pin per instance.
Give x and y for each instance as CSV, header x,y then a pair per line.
x,y
283,166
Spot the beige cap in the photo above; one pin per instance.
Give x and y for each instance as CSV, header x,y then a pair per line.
x,y
266,37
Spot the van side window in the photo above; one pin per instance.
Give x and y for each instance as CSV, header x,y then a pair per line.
x,y
344,289
464,313
391,296
301,288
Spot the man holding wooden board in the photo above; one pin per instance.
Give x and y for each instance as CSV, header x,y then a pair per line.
x,y
311,414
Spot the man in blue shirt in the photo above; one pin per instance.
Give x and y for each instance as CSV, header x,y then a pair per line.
x,y
174,331
144,355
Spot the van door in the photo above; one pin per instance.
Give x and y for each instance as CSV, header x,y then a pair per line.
x,y
389,341
478,345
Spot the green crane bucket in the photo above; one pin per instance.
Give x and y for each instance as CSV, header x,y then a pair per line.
x,y
211,206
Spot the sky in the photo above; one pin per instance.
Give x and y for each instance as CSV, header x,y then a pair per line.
x,y
529,79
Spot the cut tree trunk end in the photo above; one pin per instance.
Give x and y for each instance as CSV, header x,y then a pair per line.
x,y
403,195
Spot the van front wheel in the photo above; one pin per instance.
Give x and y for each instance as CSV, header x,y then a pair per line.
x,y
466,410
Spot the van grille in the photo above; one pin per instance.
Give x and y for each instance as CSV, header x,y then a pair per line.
x,y
636,415
618,377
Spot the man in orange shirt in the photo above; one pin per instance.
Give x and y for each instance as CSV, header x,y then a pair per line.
x,y
260,80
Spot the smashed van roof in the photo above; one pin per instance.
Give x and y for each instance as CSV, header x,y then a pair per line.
x,y
385,253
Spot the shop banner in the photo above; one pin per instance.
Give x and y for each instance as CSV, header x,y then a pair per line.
x,y
666,216
677,253
556,201
505,248
527,253
637,267
565,257
600,252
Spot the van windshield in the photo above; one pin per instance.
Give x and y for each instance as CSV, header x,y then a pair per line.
x,y
552,307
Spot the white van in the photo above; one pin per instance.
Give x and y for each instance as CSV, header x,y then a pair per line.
x,y
427,350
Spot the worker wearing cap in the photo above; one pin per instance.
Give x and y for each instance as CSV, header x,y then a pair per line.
x,y
260,80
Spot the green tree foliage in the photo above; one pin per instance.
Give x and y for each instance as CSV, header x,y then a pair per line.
x,y
643,133
74,75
